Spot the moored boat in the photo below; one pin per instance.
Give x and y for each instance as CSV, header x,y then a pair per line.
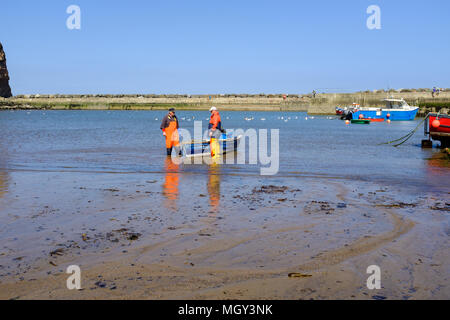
x,y
345,111
374,120
339,111
360,121
395,110
439,123
438,127
225,144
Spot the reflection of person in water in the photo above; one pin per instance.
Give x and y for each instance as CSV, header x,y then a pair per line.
x,y
3,181
170,186
214,186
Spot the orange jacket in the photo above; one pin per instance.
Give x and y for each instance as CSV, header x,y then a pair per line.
x,y
215,121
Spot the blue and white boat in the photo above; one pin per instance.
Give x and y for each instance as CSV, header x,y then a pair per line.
x,y
395,110
226,143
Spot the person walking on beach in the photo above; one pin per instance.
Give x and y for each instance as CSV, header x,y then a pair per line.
x,y
169,127
433,92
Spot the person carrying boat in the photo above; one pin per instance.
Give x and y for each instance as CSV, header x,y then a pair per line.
x,y
169,127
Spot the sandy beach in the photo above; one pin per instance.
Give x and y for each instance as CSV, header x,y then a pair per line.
x,y
136,244
100,195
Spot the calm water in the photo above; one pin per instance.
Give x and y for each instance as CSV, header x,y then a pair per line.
x,y
131,142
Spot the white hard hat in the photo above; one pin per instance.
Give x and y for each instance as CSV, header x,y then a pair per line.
x,y
213,109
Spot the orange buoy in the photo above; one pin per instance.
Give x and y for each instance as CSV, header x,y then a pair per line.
x,y
436,124
347,122
361,116
388,115
389,121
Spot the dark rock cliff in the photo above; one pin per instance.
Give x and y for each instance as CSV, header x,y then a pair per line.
x,y
5,89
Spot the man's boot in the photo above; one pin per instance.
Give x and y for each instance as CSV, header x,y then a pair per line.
x,y
169,152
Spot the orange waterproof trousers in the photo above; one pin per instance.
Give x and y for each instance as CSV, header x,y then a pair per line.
x,y
172,137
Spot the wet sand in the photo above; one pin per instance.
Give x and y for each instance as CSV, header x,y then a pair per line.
x,y
94,189
138,236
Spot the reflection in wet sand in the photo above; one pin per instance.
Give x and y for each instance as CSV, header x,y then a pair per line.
x,y
439,160
4,176
214,186
3,183
171,184
436,168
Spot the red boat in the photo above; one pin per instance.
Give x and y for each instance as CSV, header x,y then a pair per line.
x,y
375,119
438,126
439,123
343,111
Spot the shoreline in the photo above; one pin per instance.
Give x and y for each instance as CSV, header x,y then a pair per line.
x,y
155,107
321,104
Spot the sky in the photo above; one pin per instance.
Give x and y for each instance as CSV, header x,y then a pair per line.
x,y
245,46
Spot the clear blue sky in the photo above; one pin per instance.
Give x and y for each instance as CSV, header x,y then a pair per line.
x,y
224,46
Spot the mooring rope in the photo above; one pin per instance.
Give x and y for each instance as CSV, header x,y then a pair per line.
x,y
406,137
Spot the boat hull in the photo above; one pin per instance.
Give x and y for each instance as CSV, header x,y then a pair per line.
x,y
395,115
360,121
440,133
375,119
444,121
203,149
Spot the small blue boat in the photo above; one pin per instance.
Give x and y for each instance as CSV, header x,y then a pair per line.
x,y
227,143
395,110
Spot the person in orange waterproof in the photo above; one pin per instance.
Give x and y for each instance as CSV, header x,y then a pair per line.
x,y
215,127
169,127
